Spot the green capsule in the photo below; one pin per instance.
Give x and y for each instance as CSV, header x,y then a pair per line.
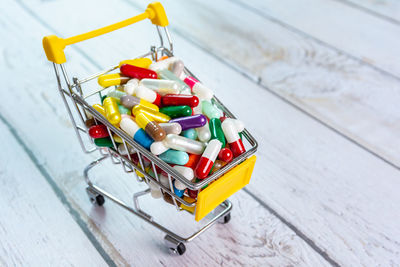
x,y
103,142
210,110
241,135
176,111
123,110
216,130
190,133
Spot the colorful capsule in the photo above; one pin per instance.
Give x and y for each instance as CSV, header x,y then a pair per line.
x,y
190,133
163,64
168,75
176,111
130,86
216,131
100,109
137,72
199,89
187,173
117,138
112,79
163,87
178,192
155,191
177,68
98,131
156,116
91,122
175,157
138,62
158,148
123,110
239,125
218,164
193,160
134,131
122,150
207,159
210,110
225,155
191,121
103,142
181,143
180,100
193,193
151,127
130,102
171,127
115,93
204,133
187,208
111,110
232,137
148,95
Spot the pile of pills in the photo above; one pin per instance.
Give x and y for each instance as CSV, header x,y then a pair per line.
x,y
170,114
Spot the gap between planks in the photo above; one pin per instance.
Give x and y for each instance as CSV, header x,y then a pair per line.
x,y
370,11
46,175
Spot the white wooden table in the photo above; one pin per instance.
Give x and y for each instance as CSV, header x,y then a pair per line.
x,y
321,81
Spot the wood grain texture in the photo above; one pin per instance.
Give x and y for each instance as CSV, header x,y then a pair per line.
x,y
347,95
340,196
35,228
368,38
385,9
255,237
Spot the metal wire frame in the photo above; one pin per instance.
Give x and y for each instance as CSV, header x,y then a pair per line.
x,y
76,103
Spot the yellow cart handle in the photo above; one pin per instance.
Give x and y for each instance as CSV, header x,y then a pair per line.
x,y
54,46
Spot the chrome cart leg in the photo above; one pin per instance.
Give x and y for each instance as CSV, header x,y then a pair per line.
x,y
174,242
174,245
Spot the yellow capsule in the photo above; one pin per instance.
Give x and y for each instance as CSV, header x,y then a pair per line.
x,y
138,62
155,115
112,79
145,104
100,109
117,139
189,200
111,109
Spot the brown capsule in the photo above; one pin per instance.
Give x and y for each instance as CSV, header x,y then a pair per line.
x,y
90,122
152,128
168,199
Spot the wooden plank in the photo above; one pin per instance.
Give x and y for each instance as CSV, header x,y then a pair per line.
x,y
385,9
368,38
255,236
349,96
35,228
319,181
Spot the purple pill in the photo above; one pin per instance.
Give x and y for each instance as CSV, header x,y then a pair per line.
x,y
190,122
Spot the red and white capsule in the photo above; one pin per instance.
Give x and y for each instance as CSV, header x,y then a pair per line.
x,y
148,95
232,137
207,159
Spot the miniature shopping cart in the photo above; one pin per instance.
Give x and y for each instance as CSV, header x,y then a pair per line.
x,y
221,184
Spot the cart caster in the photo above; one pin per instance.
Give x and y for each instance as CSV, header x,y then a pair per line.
x,y
95,197
175,246
225,219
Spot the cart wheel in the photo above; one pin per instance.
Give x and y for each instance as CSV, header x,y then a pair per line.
x,y
225,219
100,200
95,197
175,246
